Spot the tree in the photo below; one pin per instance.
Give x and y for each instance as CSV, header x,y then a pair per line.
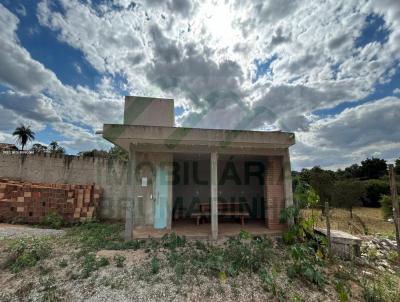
x,y
55,148
353,171
39,148
118,153
375,188
348,194
322,182
24,135
305,175
94,153
373,168
305,196
397,166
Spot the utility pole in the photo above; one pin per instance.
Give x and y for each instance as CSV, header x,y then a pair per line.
x,y
395,203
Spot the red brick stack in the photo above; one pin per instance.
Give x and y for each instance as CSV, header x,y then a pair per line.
x,y
31,202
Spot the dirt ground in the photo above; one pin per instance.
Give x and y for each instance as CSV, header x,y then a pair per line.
x,y
90,263
12,231
340,220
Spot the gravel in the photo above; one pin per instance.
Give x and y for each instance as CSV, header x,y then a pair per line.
x,y
9,231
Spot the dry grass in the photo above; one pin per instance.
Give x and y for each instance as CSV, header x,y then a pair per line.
x,y
340,220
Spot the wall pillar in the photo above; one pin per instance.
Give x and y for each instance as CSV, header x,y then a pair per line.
x,y
130,195
287,181
214,195
274,192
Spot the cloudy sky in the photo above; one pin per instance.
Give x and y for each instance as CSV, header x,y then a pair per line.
x,y
327,70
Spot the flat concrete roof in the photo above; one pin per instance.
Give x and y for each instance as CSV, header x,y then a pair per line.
x,y
183,139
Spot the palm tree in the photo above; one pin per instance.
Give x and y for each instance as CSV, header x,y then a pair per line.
x,y
24,135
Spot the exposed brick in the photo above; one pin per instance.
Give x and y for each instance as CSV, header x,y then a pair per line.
x,y
30,202
274,192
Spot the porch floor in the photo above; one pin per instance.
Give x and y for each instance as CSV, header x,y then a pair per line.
x,y
189,229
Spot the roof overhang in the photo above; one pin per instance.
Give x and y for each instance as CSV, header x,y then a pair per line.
x,y
182,139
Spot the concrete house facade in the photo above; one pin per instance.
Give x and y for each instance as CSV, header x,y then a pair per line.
x,y
200,182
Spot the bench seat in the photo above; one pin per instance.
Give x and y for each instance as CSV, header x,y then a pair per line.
x,y
240,214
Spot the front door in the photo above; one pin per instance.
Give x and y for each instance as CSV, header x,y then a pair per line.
x,y
161,198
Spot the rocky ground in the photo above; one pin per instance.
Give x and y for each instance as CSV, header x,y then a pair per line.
x,y
91,263
379,250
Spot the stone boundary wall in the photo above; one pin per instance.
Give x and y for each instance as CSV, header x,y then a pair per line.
x,y
109,174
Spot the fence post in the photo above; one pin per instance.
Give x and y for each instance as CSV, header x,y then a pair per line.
x,y
395,203
328,228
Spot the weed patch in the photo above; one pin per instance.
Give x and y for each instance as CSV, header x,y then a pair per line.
x,y
53,220
94,236
155,265
342,290
63,263
119,260
91,264
27,252
382,289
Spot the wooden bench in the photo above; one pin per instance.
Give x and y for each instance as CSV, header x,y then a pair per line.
x,y
224,209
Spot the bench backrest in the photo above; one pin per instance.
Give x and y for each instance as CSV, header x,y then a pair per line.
x,y
224,207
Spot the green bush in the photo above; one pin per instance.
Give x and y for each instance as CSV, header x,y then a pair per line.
x,y
343,291
103,261
53,220
305,264
173,241
27,252
386,206
119,260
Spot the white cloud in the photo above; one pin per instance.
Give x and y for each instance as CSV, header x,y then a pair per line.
x,y
35,107
18,70
37,96
202,53
352,135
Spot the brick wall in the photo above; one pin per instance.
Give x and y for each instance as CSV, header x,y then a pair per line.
x,y
274,192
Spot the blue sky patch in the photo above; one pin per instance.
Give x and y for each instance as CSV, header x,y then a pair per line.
x,y
68,63
47,135
374,30
263,67
380,91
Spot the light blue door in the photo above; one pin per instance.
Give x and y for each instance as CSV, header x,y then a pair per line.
x,y
161,198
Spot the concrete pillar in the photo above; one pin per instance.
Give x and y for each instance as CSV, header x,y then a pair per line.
x,y
287,181
214,195
130,195
274,192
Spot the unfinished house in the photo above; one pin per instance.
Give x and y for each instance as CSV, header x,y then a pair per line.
x,y
199,182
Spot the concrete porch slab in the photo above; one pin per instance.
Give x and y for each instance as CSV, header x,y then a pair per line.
x,y
190,230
